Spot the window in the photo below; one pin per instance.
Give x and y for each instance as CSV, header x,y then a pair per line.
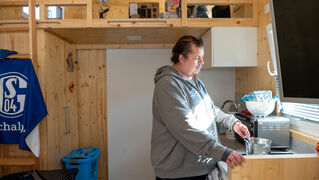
x,y
305,111
25,12
53,12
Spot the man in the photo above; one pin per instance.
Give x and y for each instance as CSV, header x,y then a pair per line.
x,y
185,143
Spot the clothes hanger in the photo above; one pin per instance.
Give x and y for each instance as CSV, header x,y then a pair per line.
x,y
18,56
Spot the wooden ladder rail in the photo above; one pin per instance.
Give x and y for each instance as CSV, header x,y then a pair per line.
x,y
31,161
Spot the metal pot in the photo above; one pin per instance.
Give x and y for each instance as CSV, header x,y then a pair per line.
x,y
258,146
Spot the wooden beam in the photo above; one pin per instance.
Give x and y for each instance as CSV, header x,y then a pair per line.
x,y
42,2
43,12
19,56
219,2
62,2
89,9
12,29
6,22
33,35
17,161
184,13
304,137
224,22
14,3
118,23
255,12
65,23
123,46
14,25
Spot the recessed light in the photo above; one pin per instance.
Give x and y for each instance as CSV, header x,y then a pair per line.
x,y
134,38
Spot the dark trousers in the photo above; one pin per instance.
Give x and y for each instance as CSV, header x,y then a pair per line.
x,y
185,178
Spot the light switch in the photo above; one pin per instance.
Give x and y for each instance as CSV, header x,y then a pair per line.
x,y
266,8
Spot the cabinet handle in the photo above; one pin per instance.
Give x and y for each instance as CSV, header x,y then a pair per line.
x,y
66,120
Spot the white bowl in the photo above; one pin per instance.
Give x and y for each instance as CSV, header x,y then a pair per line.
x,y
260,108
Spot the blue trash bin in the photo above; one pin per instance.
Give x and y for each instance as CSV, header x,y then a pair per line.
x,y
85,160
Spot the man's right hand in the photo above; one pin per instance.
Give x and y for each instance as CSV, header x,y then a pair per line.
x,y
235,159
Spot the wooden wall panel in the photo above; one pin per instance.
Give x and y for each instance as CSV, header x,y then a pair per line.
x,y
42,162
17,41
250,79
92,104
284,167
58,96
75,12
11,13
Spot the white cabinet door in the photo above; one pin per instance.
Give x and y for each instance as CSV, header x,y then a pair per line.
x,y
230,47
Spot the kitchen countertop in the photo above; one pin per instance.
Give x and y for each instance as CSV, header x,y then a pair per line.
x,y
232,143
240,148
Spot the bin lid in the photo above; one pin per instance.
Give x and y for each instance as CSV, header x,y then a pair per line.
x,y
82,154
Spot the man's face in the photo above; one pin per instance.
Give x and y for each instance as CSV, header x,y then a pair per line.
x,y
192,64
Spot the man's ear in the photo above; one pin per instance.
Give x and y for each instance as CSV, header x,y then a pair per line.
x,y
181,58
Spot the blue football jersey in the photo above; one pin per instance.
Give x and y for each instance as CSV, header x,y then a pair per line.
x,y
22,105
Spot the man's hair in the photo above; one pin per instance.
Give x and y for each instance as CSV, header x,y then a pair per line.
x,y
184,47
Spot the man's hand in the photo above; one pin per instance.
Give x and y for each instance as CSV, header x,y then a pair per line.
x,y
235,159
241,130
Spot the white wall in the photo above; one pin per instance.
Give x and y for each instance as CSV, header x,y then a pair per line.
x,y
129,93
220,84
130,86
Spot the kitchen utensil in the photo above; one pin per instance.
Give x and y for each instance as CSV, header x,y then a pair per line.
x,y
230,134
258,146
260,109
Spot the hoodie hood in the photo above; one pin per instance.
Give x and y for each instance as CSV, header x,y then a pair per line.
x,y
170,71
167,71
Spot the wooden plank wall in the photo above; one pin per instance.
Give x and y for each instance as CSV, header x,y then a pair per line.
x,y
92,104
11,13
16,41
75,12
250,79
56,83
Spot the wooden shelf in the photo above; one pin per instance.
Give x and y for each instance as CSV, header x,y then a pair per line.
x,y
114,31
14,3
220,2
40,2
17,161
19,56
110,36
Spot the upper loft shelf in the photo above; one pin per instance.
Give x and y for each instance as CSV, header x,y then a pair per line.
x,y
88,10
92,30
126,35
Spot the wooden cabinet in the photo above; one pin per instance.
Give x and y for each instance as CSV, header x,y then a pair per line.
x,y
283,167
230,47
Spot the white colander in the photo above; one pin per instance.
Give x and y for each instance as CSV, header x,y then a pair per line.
x,y
261,109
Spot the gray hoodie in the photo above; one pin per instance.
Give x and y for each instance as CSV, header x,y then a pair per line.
x,y
185,140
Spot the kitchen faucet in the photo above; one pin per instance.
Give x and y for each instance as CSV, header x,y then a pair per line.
x,y
232,102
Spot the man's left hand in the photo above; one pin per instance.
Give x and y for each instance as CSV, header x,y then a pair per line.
x,y
241,130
